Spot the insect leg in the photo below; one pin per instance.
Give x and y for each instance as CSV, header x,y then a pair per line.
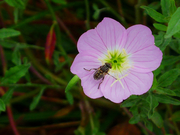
x,y
90,69
112,76
100,83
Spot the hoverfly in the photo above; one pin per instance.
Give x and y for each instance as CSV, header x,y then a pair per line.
x,y
101,72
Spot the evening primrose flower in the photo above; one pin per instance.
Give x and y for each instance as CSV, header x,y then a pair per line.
x,y
131,53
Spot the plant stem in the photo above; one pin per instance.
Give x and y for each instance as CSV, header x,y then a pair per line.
x,y
87,15
11,120
174,123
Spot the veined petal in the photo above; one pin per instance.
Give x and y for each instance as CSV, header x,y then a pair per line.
x,y
138,37
84,60
90,86
146,59
133,84
112,33
90,41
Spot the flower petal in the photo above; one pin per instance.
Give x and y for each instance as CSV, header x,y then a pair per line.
x,y
112,33
134,84
90,41
147,59
138,37
84,60
90,86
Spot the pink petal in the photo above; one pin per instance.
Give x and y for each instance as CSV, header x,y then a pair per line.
x,y
138,37
84,60
90,41
90,86
134,84
147,59
87,61
112,33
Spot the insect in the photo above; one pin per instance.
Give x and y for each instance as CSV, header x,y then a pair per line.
x,y
101,72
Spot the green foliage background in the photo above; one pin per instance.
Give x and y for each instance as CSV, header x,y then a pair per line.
x,y
43,97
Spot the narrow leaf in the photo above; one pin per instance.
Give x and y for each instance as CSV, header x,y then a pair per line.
x,y
166,99
174,24
14,74
16,3
6,32
165,91
36,99
2,105
71,83
168,7
8,95
154,14
160,26
168,78
69,97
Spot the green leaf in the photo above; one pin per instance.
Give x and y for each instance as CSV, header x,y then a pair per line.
x,y
166,99
168,78
69,97
71,83
155,83
7,43
177,91
160,26
165,91
175,45
14,74
36,99
174,24
148,124
153,103
134,119
165,43
7,32
168,7
8,95
159,38
169,60
157,119
175,116
2,106
16,3
177,35
60,1
132,100
155,15
16,56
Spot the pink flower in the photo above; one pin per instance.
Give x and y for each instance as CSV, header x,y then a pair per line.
x,y
131,53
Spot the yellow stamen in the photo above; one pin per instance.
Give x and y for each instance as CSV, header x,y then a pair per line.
x,y
119,79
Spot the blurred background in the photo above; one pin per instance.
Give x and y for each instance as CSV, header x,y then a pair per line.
x,y
44,39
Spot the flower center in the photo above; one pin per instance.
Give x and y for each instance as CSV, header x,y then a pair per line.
x,y
120,64
118,59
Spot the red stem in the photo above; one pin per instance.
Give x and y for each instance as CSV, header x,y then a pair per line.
x,y
11,120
